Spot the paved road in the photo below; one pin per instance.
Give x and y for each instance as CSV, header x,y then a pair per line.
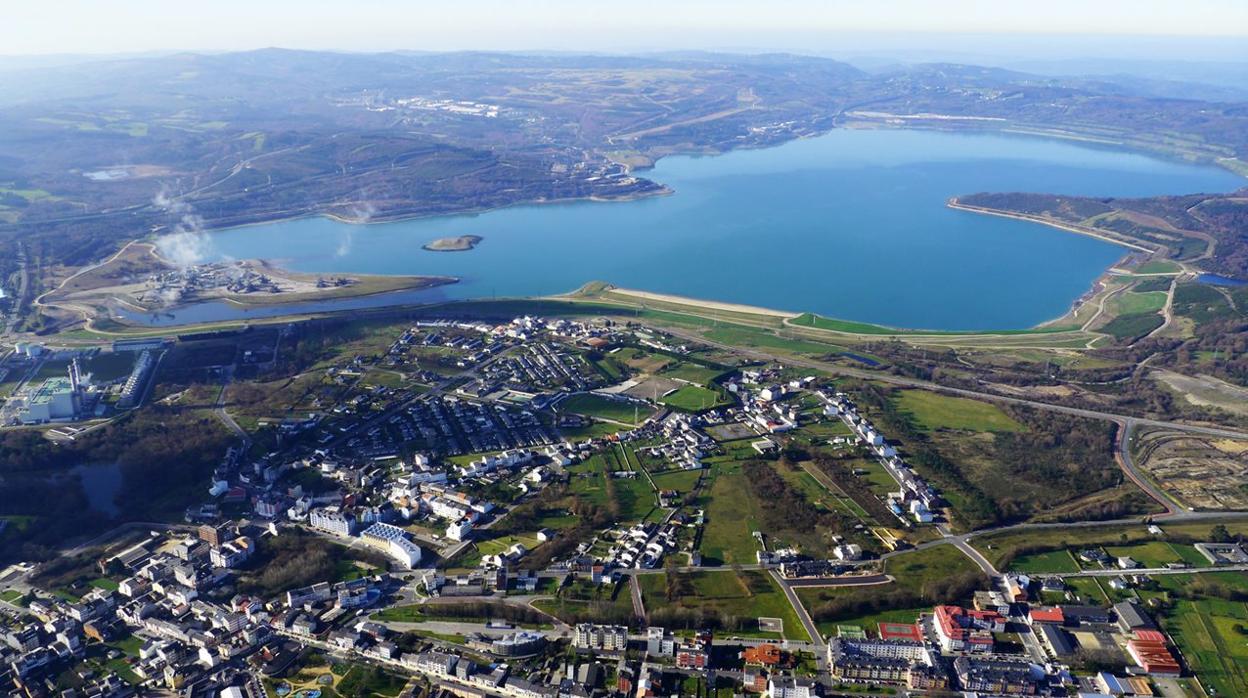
x,y
1157,570
225,417
811,629
639,605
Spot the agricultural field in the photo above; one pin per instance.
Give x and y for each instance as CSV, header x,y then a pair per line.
x,y
744,595
731,518
933,411
1132,326
1210,630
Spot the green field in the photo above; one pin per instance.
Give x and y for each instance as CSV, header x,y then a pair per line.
x,y
1158,553
1205,630
823,323
1089,589
1134,303
692,373
746,595
1132,326
912,571
599,407
693,398
933,411
997,547
1055,561
364,680
1158,266
731,518
766,339
633,496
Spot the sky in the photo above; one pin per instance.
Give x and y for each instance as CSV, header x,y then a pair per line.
x,y
135,26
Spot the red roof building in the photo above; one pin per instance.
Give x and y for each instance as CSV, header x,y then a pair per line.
x,y
1046,615
962,630
763,655
1154,657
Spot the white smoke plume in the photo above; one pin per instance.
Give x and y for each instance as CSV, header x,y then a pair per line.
x,y
187,245
344,244
362,211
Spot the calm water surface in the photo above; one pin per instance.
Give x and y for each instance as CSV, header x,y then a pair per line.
x,y
852,225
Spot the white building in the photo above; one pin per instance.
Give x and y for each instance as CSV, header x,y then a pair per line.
x,y
394,542
609,638
459,530
331,520
791,687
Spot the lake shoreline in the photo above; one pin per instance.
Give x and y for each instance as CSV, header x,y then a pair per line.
x,y
573,245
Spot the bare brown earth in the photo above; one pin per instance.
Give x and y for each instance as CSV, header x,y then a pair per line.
x,y
1203,473
1206,391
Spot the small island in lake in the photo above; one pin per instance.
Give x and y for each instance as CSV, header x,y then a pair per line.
x,y
461,243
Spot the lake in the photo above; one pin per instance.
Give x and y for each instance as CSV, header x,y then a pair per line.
x,y
852,225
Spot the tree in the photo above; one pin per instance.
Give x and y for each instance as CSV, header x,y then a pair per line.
x,y
1219,534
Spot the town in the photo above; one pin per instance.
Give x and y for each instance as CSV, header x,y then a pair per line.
x,y
550,507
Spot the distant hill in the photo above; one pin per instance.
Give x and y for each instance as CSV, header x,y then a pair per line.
x,y
1210,230
98,152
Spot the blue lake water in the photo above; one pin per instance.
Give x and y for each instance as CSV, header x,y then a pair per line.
x,y
852,224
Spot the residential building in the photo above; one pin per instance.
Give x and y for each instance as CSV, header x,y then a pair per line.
x,y
331,520
608,638
791,687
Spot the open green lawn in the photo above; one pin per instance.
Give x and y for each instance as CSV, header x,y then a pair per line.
x,y
748,595
496,546
1131,302
823,323
1157,266
997,547
682,481
765,339
582,596
935,411
598,406
1056,561
693,398
1089,589
1155,553
730,520
370,681
633,495
911,571
694,373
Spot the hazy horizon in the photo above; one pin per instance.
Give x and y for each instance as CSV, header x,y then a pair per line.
x,y
1197,30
